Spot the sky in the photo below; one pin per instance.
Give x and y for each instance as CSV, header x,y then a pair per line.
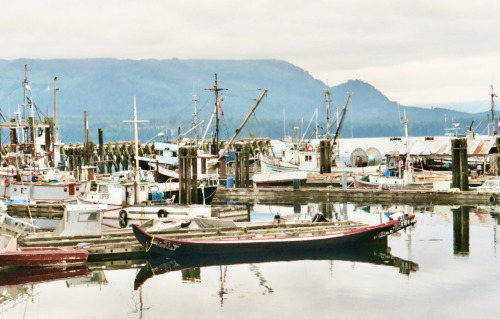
x,y
421,52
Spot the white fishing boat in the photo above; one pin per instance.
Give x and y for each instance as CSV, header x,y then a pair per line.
x,y
29,171
300,154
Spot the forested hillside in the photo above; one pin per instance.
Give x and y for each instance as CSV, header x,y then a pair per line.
x,y
165,89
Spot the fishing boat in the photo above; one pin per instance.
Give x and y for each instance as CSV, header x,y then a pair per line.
x,y
276,238
286,178
11,255
30,169
300,154
399,173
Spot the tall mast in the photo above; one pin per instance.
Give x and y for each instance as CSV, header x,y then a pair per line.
x,y
493,95
405,122
56,124
195,115
327,102
136,168
216,90
26,87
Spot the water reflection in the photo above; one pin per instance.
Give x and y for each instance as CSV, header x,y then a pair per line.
x,y
426,269
190,265
461,231
16,283
18,276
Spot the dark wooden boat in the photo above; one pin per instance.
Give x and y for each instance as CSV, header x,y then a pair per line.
x,y
14,276
315,236
373,255
44,256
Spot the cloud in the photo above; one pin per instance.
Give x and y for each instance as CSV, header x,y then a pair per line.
x,y
415,52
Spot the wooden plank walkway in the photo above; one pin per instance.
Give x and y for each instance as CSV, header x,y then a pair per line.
x,y
304,195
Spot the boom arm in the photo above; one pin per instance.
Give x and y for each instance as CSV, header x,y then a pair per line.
x,y
344,110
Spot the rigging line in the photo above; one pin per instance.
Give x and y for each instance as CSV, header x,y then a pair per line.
x,y
225,127
205,103
240,96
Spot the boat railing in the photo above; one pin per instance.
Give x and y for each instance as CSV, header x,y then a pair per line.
x,y
272,230
11,225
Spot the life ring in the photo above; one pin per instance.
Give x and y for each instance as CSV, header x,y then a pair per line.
x,y
123,223
7,182
310,147
123,215
162,213
492,199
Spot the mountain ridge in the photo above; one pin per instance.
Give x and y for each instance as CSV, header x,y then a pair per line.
x,y
105,87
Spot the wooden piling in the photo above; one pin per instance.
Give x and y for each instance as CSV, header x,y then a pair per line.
x,y
497,161
188,176
100,132
460,168
193,187
182,175
325,148
242,163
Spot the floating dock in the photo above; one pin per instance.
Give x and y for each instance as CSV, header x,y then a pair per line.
x,y
287,195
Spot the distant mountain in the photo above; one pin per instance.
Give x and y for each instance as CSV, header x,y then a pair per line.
x,y
164,91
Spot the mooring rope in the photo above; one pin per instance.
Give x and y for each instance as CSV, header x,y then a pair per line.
x,y
150,243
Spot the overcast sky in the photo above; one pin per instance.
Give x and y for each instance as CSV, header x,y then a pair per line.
x,y
415,52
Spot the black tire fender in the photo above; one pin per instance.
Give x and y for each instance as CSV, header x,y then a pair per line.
x,y
162,213
123,215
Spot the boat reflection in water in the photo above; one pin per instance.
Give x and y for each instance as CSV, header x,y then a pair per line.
x,y
374,255
21,276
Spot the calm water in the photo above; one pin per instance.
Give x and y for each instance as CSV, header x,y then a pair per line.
x,y
438,269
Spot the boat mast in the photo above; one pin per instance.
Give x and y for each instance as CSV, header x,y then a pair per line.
x,y
195,115
56,124
408,176
493,95
405,122
327,102
136,168
26,88
216,90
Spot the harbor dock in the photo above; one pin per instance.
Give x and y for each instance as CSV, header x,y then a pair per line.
x,y
304,195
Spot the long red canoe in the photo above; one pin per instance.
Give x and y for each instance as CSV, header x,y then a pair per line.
x,y
316,237
44,256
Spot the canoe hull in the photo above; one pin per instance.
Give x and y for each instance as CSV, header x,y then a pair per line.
x,y
370,235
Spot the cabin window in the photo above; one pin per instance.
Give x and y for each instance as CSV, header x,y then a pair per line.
x,y
174,154
103,189
82,217
93,187
143,188
308,158
23,190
